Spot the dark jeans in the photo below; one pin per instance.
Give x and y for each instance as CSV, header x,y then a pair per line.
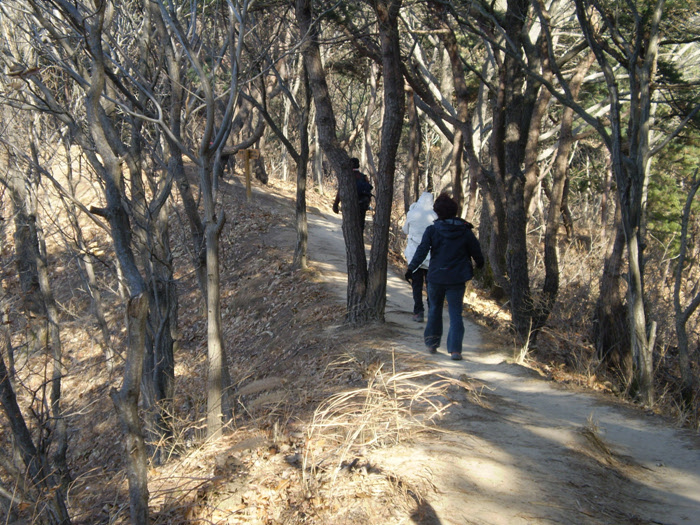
x,y
417,286
437,293
364,207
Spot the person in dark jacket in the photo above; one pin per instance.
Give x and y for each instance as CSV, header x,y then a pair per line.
x,y
364,192
452,246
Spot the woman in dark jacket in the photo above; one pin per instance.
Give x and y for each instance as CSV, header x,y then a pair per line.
x,y
452,246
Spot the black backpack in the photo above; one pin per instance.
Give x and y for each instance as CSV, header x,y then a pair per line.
x,y
364,188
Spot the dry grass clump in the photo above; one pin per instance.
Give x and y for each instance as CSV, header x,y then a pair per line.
x,y
335,482
392,407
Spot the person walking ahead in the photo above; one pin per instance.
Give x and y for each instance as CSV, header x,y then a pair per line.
x,y
452,246
364,192
420,215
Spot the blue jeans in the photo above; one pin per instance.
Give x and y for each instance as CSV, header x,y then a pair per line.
x,y
437,293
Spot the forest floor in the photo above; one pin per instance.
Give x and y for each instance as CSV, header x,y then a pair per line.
x,y
418,438
342,426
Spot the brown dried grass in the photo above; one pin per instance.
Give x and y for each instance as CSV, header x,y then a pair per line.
x,y
391,408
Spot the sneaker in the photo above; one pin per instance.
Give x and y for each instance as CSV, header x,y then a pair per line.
x,y
432,349
418,317
456,356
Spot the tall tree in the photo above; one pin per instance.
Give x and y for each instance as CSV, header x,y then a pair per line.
x,y
683,312
629,38
366,292
99,132
216,129
126,400
339,159
387,15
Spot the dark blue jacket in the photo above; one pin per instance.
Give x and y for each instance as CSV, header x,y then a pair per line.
x,y
452,246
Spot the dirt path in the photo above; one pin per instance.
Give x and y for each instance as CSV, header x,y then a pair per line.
x,y
531,451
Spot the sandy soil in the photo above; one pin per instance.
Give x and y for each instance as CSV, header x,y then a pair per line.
x,y
530,451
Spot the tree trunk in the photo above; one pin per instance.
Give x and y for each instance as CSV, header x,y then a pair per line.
x,y
514,131
607,197
340,161
367,153
137,308
259,167
159,362
458,171
286,72
461,94
7,339
494,239
630,155
302,227
473,194
411,190
151,239
566,217
301,248
25,248
610,328
394,107
126,402
641,352
317,162
217,372
683,314
550,288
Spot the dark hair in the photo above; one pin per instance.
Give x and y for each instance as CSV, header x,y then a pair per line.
x,y
355,163
445,206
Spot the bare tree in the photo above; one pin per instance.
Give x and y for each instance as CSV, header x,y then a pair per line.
x,y
339,159
412,181
216,130
637,48
366,292
682,314
52,505
45,474
100,141
387,15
